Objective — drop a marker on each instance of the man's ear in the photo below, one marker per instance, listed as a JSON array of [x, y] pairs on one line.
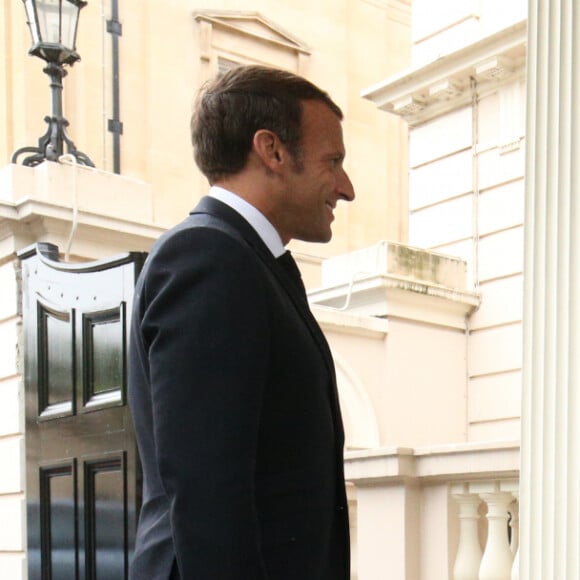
[[269, 149]]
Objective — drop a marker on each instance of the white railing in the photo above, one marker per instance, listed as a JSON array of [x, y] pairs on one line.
[[488, 530], [444, 512]]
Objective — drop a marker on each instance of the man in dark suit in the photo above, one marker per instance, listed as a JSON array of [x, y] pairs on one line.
[[231, 382]]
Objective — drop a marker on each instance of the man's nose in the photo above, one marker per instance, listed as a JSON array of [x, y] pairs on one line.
[[345, 187]]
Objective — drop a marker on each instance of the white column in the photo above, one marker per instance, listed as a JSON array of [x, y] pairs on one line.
[[497, 560], [516, 567], [469, 552], [550, 468]]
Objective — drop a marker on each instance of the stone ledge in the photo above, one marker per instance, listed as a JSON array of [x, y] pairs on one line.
[[50, 201], [395, 297], [336, 320], [452, 462], [76, 186], [398, 260], [396, 280]]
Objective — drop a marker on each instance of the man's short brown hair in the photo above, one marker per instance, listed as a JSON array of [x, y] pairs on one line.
[[231, 108]]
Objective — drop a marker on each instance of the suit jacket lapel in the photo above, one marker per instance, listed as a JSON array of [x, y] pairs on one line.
[[233, 219], [216, 208]]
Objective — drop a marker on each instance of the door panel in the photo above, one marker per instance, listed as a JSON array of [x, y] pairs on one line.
[[104, 357], [55, 361], [83, 476], [105, 516], [58, 519]]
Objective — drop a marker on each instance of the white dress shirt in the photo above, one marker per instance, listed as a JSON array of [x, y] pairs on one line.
[[253, 216]]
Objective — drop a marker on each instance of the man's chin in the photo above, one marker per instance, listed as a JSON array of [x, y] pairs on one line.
[[320, 238]]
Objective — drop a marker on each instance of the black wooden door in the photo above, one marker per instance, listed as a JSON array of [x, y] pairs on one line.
[[83, 477]]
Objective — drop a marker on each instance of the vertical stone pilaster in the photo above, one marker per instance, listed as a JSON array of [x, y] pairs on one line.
[[388, 533], [550, 471], [12, 451]]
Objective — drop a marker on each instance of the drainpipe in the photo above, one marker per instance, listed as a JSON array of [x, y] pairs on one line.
[[475, 182]]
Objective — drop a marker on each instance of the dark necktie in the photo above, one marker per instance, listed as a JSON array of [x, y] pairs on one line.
[[289, 265]]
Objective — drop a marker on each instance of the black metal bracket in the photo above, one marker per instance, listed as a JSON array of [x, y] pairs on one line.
[[50, 145]]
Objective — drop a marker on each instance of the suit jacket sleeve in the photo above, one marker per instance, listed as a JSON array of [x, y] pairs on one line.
[[205, 324]]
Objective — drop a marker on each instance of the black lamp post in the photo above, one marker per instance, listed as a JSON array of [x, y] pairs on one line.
[[53, 26]]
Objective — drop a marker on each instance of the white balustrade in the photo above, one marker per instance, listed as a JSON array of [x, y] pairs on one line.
[[515, 543], [469, 551], [492, 556], [497, 560]]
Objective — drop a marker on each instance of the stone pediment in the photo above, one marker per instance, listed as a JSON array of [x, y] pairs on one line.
[[252, 24]]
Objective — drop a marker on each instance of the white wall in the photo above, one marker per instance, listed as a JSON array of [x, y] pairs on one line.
[[12, 474], [465, 185], [466, 198], [444, 26], [423, 396]]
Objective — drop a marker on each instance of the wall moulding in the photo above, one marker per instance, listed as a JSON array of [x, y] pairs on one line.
[[421, 94]]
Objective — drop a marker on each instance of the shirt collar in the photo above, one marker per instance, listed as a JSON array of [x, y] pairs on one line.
[[253, 216]]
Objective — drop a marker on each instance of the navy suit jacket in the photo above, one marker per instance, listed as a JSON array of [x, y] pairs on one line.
[[233, 394]]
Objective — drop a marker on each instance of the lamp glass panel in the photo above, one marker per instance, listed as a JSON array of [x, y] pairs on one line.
[[32, 21], [49, 20], [70, 14]]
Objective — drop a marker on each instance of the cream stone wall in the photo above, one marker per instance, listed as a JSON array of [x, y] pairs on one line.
[[402, 375], [466, 199], [465, 105], [12, 486], [166, 51]]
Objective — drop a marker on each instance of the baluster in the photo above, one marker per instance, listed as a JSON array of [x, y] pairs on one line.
[[515, 525], [469, 553], [497, 560]]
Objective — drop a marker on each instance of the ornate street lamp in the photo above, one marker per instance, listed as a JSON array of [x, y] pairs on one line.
[[53, 26]]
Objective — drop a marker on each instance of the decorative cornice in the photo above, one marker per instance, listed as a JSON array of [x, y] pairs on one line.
[[449, 82], [96, 235], [387, 296]]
